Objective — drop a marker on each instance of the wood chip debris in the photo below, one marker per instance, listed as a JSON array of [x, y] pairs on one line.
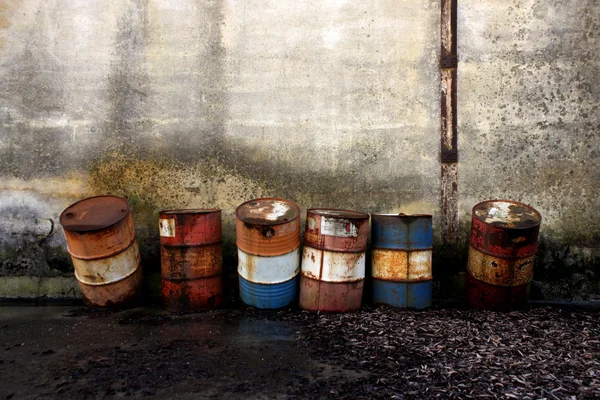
[[539, 353]]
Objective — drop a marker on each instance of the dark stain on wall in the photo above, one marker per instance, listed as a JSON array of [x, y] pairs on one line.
[[30, 92], [128, 81]]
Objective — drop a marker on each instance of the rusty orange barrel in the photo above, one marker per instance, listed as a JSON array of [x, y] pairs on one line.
[[333, 260], [102, 243], [268, 241], [502, 245], [190, 258], [401, 260]]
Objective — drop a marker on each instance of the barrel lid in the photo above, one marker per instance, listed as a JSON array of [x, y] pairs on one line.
[[190, 211], [94, 213], [337, 213], [267, 211], [402, 215], [507, 214]]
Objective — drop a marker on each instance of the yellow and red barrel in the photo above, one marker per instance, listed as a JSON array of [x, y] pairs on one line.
[[268, 241], [191, 259], [102, 243], [502, 245], [333, 260], [401, 260]]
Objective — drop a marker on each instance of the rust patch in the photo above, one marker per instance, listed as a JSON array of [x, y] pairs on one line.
[[94, 213], [123, 293], [500, 271]]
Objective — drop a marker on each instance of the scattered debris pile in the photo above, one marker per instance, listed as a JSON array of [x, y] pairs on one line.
[[539, 353]]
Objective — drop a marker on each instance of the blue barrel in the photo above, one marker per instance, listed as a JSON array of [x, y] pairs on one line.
[[268, 296], [402, 294], [401, 231], [401, 260]]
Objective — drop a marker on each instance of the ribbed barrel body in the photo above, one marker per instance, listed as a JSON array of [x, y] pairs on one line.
[[401, 260], [333, 260], [268, 242], [502, 245], [191, 259], [102, 243]]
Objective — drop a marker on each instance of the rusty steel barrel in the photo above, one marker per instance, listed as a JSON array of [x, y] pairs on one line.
[[191, 259], [333, 260], [268, 241], [502, 245], [102, 243], [401, 260]]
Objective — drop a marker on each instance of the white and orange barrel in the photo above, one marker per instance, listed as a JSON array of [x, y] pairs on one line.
[[102, 243], [268, 242], [333, 260]]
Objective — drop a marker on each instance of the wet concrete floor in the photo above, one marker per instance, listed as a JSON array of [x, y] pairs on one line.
[[74, 352]]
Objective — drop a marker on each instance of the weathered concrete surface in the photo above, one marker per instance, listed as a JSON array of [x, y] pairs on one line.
[[529, 120], [208, 104], [50, 352]]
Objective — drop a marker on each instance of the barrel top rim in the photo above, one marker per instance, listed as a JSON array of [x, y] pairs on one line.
[[186, 211], [106, 210], [338, 213], [529, 217], [403, 215], [256, 211]]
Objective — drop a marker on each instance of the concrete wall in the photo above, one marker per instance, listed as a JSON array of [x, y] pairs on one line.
[[529, 123], [208, 104], [330, 103]]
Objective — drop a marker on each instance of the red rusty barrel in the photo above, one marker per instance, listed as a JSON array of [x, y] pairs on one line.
[[190, 259], [333, 260], [502, 246], [102, 243]]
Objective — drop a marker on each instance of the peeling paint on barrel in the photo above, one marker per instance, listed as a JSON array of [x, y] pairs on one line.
[[336, 230], [398, 265], [505, 228], [122, 293], [108, 270], [333, 260], [269, 270], [319, 295], [190, 227], [332, 266], [503, 242], [268, 241], [191, 262], [191, 259], [500, 271], [401, 260], [98, 227], [268, 227], [102, 244]]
